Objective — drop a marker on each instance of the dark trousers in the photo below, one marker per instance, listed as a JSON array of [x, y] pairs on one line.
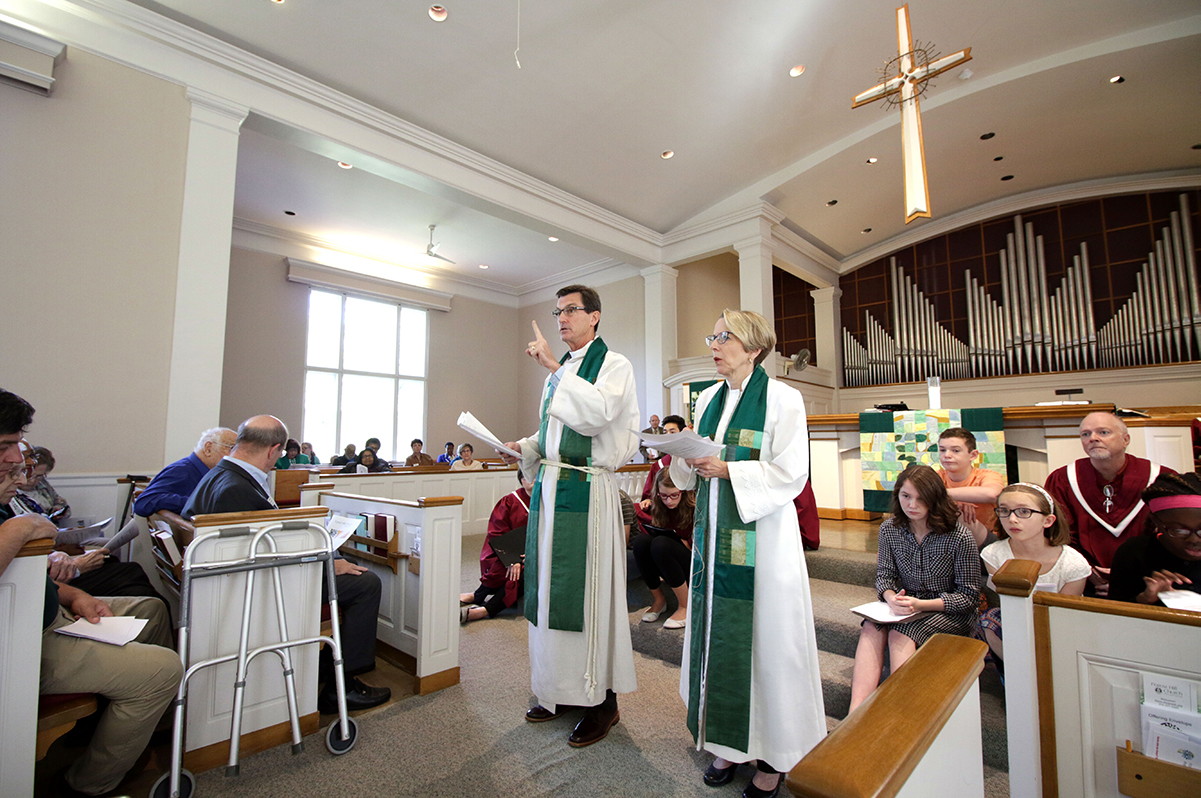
[[662, 557], [116, 578], [358, 602], [492, 599]]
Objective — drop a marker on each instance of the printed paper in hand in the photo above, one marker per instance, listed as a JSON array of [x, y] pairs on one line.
[[686, 444], [341, 527], [115, 631], [880, 612], [471, 424], [1181, 600]]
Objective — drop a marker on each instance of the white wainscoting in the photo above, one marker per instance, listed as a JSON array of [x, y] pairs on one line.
[[22, 589]]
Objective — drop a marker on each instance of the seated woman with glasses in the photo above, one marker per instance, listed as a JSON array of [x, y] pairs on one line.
[[665, 554], [466, 462], [1030, 529], [292, 455], [1168, 557], [38, 488], [367, 463]]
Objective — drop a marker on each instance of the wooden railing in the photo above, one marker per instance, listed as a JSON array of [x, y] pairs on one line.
[[915, 732]]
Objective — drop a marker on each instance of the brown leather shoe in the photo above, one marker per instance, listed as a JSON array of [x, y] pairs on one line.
[[594, 726], [541, 714]]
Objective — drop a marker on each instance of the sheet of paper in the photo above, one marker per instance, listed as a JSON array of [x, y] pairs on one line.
[[1170, 692], [472, 425], [341, 527], [1181, 599], [686, 444], [78, 534], [880, 612], [114, 631]]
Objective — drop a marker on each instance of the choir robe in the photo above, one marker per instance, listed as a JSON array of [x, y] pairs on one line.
[[1096, 533], [788, 716], [509, 513], [607, 411]]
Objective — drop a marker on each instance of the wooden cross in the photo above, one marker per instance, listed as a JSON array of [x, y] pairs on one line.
[[917, 192]]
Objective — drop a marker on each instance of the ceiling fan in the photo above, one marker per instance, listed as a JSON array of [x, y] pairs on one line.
[[432, 250]]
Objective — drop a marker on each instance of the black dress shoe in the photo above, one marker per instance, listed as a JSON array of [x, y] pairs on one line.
[[715, 776], [752, 791], [540, 714], [594, 726], [358, 696]]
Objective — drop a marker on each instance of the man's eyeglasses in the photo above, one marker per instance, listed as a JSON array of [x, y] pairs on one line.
[[1020, 512], [570, 310], [720, 337], [1178, 532]]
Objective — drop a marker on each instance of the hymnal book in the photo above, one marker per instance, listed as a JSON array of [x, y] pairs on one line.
[[383, 528], [165, 541], [880, 612], [115, 631], [655, 531], [509, 548]]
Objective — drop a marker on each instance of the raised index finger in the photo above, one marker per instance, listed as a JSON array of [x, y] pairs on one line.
[[537, 332]]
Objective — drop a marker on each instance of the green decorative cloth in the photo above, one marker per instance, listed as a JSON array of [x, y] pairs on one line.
[[573, 498], [721, 647]]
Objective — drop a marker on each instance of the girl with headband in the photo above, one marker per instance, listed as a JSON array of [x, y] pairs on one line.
[[1168, 557], [1030, 528]]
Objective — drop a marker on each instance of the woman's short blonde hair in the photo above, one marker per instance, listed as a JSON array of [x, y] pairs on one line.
[[752, 330]]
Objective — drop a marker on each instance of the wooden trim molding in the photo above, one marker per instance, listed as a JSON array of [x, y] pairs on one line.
[[260, 516], [424, 501], [919, 699], [1046, 701], [217, 754], [1019, 413], [1016, 578], [1126, 609], [1141, 776], [317, 486], [437, 681], [37, 548]]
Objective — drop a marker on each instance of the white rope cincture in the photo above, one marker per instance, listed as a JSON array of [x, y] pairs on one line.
[[593, 630]]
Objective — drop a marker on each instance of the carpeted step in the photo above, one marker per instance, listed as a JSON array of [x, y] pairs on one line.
[[840, 565]]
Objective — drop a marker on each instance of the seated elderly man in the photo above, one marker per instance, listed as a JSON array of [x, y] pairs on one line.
[[171, 487], [139, 679], [39, 489]]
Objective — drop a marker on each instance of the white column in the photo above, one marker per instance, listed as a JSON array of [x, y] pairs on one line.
[[755, 281], [827, 311], [659, 285], [198, 337]]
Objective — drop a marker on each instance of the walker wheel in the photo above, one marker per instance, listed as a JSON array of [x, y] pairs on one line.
[[333, 738], [187, 785]]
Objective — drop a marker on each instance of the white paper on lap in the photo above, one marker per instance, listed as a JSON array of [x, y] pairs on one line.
[[116, 631]]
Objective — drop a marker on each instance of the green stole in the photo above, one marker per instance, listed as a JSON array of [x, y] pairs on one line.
[[726, 661], [573, 494]]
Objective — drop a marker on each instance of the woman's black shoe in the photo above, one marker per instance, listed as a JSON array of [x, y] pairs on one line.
[[752, 791], [715, 776]]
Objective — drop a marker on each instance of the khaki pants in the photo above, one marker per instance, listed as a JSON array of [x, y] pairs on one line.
[[139, 679]]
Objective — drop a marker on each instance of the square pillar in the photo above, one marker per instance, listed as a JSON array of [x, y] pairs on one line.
[[828, 326], [202, 281], [755, 288], [659, 285]]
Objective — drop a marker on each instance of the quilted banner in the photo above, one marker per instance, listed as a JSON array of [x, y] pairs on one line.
[[889, 442]]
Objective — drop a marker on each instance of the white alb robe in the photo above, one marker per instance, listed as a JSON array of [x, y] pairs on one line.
[[788, 716], [607, 411]]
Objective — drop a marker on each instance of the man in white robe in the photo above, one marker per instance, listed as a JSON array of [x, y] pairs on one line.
[[585, 666]]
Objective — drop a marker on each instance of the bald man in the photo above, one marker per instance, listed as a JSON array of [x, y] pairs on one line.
[[1101, 494], [238, 483]]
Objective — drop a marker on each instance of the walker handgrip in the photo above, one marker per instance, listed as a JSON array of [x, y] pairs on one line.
[[295, 525], [233, 531]]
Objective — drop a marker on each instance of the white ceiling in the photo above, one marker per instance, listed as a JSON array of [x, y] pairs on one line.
[[606, 85]]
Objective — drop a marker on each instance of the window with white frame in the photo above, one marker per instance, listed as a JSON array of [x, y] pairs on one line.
[[365, 374]]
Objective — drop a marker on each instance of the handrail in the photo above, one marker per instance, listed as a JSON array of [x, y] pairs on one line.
[[37, 548], [424, 501], [865, 756], [1126, 609]]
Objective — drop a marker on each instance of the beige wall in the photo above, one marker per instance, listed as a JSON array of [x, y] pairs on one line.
[[471, 359], [91, 196], [703, 290]]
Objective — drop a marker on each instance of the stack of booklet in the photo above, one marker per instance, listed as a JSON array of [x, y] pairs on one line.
[[1170, 719]]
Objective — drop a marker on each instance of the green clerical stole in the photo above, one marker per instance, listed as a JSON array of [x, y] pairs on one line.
[[726, 659], [573, 493]]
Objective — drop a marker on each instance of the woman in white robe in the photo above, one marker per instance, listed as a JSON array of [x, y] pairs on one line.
[[787, 713]]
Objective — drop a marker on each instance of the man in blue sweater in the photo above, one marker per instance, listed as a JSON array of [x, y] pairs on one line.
[[170, 489]]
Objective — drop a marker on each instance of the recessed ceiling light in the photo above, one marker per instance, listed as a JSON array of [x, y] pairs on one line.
[[438, 13], [345, 165], [1007, 177], [999, 158], [831, 203], [866, 230], [277, 1], [483, 265], [1117, 79], [965, 74], [667, 154], [552, 238], [987, 136], [797, 70], [872, 160], [289, 213]]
